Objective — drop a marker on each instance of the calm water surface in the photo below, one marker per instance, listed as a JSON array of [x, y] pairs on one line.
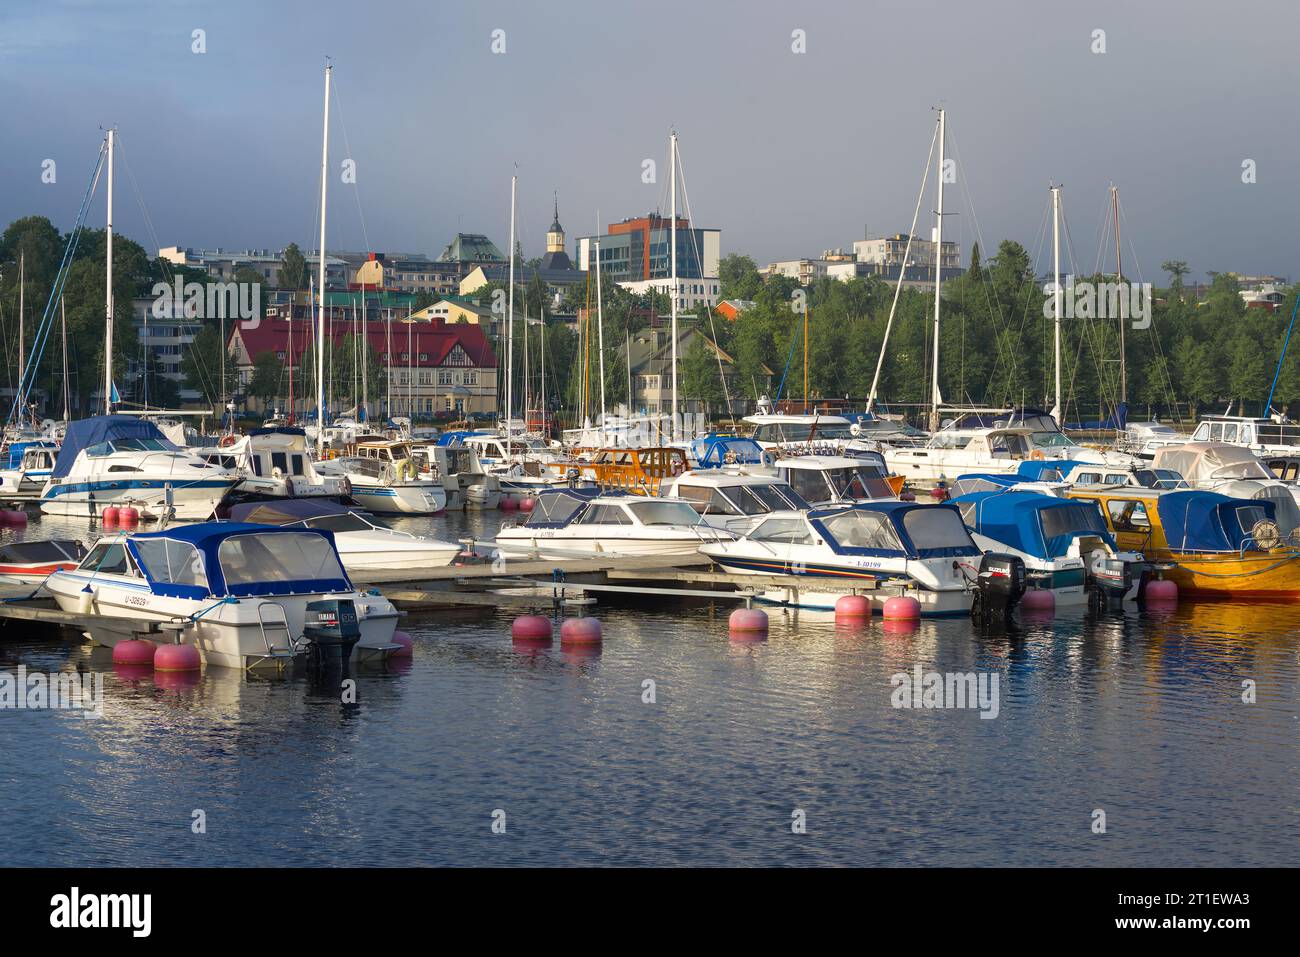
[[1137, 714]]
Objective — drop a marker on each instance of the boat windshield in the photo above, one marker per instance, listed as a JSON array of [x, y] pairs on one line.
[[1071, 520], [664, 513], [172, 562], [259, 559], [802, 432], [1050, 440], [129, 445], [855, 528], [342, 522], [1160, 478], [938, 530]]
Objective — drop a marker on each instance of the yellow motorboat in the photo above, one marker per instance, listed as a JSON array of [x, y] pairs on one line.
[[1221, 547]]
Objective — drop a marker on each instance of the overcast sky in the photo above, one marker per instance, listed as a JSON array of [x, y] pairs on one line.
[[789, 154]]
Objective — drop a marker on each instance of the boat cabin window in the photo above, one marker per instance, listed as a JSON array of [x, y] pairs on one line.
[[664, 513], [127, 445], [1250, 515], [1117, 478], [605, 515], [1202, 432], [864, 481], [931, 527], [787, 531], [1008, 446], [856, 529], [1128, 515], [279, 460], [1050, 440], [809, 484], [1159, 478], [255, 559], [1285, 469], [707, 501], [554, 509], [109, 558], [1230, 431], [177, 563], [1071, 520], [1087, 478]]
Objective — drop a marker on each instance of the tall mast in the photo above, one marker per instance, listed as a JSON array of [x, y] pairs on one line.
[[600, 341], [63, 313], [320, 312], [289, 356], [672, 178], [807, 313], [1119, 278], [935, 398], [1056, 294], [388, 362], [365, 360], [22, 290], [510, 313], [108, 286]]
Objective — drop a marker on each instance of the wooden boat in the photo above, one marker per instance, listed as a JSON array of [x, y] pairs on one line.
[[637, 471], [1222, 547]]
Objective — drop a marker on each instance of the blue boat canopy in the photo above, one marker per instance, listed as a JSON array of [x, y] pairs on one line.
[[239, 560], [894, 530], [457, 438], [1042, 526], [1199, 521], [714, 451], [85, 433], [18, 449]]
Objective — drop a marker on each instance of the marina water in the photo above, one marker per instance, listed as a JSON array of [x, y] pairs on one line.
[[1138, 714]]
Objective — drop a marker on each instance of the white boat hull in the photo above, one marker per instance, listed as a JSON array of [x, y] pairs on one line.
[[188, 502]]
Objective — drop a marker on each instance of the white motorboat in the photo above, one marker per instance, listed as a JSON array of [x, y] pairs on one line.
[[274, 463], [30, 563], [384, 479], [566, 523], [121, 460], [364, 543], [955, 451], [243, 595], [1063, 542], [838, 479], [733, 498], [875, 549], [30, 463]]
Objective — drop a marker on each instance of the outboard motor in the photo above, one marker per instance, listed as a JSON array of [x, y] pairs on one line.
[[998, 588], [1109, 580], [332, 628]]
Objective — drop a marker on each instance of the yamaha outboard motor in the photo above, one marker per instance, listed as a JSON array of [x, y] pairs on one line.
[[332, 628], [1109, 580], [998, 588]]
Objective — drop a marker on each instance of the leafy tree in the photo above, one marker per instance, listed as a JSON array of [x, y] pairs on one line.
[[293, 269], [268, 373]]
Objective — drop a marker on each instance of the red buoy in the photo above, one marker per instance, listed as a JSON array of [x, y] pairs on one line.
[[128, 516], [508, 503], [939, 493], [902, 608], [176, 658], [407, 643], [1161, 590], [749, 621], [852, 606], [531, 628], [527, 503], [580, 631], [109, 515], [134, 651]]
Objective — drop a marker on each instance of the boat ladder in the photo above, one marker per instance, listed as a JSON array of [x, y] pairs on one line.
[[281, 646]]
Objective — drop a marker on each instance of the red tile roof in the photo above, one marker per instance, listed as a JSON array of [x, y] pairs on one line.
[[436, 340]]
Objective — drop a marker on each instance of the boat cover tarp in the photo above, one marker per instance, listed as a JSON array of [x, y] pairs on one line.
[[103, 428], [284, 511], [923, 531], [1200, 462], [1199, 521], [1043, 526], [208, 537], [715, 451]]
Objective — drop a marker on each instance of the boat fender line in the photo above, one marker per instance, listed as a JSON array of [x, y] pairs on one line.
[[228, 600]]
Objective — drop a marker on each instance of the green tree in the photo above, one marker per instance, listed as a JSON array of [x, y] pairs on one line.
[[268, 373], [293, 269]]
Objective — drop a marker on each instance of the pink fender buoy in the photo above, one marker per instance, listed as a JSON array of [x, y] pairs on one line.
[[527, 503], [177, 658], [852, 606], [109, 515], [749, 622], [531, 628], [134, 651], [508, 503], [1161, 590], [907, 495], [407, 643], [129, 517], [939, 493], [13, 517], [580, 631], [902, 608], [1041, 600]]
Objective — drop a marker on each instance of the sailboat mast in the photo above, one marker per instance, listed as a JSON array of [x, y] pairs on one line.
[[600, 342], [510, 312], [672, 177], [365, 360], [1056, 295], [63, 313], [320, 313], [108, 285], [1119, 278], [388, 362], [289, 355], [938, 265], [22, 290]]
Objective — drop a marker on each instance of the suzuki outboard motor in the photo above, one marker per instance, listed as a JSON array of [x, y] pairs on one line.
[[998, 588]]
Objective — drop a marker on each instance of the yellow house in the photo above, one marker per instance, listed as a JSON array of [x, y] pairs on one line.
[[452, 311]]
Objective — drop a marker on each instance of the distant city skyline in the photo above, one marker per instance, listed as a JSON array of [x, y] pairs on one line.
[[788, 153]]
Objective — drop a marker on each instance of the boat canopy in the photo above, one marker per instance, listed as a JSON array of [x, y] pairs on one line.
[[279, 430], [236, 559], [85, 433], [284, 511], [1032, 469], [1199, 521], [458, 438], [556, 507], [895, 530], [714, 451], [1043, 526], [1211, 462], [983, 482], [18, 449]]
